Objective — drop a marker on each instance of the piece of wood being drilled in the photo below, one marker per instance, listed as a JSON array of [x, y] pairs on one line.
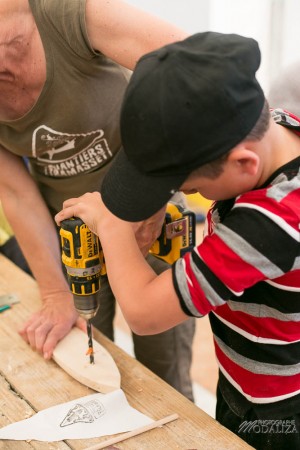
[[70, 354]]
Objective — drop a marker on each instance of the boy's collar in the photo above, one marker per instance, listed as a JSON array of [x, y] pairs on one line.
[[287, 119]]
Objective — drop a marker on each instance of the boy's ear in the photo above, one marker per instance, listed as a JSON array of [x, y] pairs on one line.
[[246, 160]]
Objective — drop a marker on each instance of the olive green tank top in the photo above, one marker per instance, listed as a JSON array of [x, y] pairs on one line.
[[72, 133]]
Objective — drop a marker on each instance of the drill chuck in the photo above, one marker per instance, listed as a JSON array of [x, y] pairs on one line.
[[86, 306]]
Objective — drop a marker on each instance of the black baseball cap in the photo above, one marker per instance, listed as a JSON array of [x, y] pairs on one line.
[[186, 104]]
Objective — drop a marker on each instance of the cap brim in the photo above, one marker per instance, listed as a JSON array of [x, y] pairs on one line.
[[134, 196]]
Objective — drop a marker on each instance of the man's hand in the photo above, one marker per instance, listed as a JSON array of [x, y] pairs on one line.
[[149, 230], [51, 323]]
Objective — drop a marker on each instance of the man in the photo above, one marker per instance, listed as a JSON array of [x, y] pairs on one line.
[[63, 71], [208, 129]]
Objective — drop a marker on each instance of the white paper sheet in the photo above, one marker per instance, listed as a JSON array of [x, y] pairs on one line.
[[86, 417]]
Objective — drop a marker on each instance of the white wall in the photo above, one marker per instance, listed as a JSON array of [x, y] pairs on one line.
[[275, 24], [191, 15], [248, 18]]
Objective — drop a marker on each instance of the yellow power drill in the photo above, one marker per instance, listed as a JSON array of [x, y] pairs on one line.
[[178, 235], [83, 257]]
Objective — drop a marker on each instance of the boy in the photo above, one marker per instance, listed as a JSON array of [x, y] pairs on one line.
[[195, 119]]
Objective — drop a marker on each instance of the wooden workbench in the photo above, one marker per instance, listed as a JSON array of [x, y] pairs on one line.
[[29, 384]]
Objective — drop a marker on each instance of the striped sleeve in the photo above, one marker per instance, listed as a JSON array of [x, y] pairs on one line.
[[258, 240]]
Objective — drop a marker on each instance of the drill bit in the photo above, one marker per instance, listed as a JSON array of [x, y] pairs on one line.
[[91, 348]]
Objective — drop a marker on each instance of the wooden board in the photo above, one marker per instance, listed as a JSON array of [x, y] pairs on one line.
[[29, 383], [70, 354]]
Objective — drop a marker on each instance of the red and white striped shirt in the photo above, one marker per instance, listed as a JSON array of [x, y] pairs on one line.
[[246, 274]]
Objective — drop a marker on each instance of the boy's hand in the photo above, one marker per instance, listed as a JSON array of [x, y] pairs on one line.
[[89, 208]]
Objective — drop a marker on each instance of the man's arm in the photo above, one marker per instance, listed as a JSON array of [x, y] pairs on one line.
[[36, 234], [148, 301], [124, 33]]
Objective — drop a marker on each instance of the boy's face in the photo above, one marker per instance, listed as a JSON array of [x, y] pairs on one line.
[[233, 181], [220, 188]]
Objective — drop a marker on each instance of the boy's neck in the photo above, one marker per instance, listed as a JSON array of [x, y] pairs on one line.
[[281, 145]]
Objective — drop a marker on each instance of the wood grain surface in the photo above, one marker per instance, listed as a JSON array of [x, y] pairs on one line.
[[29, 384]]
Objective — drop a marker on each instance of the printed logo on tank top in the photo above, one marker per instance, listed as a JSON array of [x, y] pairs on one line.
[[64, 155]]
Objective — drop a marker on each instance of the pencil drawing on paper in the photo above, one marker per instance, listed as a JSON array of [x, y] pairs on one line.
[[86, 413]]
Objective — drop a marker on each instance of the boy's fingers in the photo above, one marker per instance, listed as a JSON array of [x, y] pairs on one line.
[[70, 202], [64, 214]]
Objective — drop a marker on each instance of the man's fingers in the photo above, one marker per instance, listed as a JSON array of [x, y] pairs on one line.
[[57, 333], [28, 331], [41, 335], [53, 337], [35, 334], [81, 324]]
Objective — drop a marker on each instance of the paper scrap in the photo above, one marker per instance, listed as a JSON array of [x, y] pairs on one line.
[[87, 417], [9, 299]]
